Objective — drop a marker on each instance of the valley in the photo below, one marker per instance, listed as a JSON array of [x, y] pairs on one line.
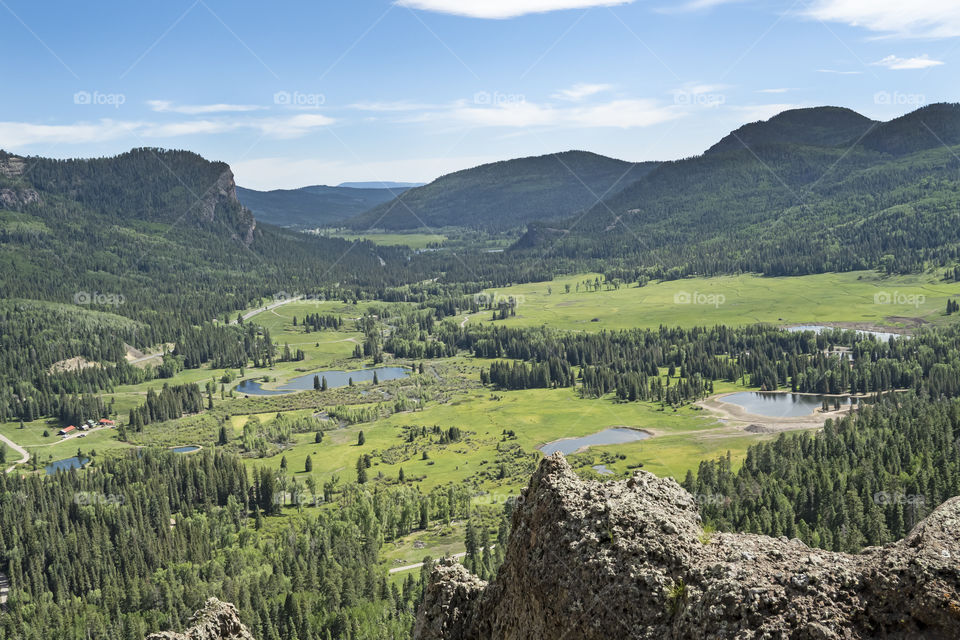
[[317, 411]]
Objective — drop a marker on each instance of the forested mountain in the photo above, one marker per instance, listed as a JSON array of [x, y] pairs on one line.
[[888, 200], [820, 126], [316, 206], [508, 194]]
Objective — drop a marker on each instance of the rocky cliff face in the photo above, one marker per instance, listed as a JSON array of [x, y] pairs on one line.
[[592, 560], [216, 621]]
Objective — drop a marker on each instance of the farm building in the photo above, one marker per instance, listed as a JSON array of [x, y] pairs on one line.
[[67, 430]]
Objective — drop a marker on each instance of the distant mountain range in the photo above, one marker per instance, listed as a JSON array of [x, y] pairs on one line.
[[317, 206], [381, 185], [809, 190], [508, 194]]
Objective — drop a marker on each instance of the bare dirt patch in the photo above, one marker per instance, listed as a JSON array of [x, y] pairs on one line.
[[73, 364]]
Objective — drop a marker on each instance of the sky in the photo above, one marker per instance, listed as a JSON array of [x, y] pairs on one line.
[[300, 92]]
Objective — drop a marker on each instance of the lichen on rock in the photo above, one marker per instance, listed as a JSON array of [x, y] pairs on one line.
[[629, 559]]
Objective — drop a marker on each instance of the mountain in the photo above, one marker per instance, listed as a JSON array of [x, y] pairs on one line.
[[819, 126], [631, 559], [316, 206], [931, 127], [162, 232], [381, 185], [785, 206], [508, 194]]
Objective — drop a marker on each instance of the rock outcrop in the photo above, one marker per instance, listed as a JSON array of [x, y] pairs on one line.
[[629, 559], [216, 621]]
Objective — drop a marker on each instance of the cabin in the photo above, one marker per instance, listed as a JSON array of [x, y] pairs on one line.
[[67, 430], [107, 423]]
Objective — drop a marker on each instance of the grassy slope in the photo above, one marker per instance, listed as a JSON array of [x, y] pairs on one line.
[[746, 299]]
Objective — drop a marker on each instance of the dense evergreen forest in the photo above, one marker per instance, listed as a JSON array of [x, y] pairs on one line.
[[136, 544], [864, 480]]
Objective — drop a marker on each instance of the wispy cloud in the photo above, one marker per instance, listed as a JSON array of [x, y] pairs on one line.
[[622, 114], [695, 5], [840, 72], [918, 19], [24, 134], [900, 64], [500, 9], [779, 90], [580, 91], [167, 106], [388, 107]]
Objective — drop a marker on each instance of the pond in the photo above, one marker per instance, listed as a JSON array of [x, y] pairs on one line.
[[782, 405], [614, 435], [66, 464], [187, 449], [334, 379], [879, 335]]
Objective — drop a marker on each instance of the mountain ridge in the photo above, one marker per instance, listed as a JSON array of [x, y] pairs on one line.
[[508, 193]]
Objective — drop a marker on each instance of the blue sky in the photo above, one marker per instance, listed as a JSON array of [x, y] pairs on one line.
[[293, 92]]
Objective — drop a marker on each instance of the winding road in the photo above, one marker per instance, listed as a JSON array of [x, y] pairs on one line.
[[269, 307], [24, 456]]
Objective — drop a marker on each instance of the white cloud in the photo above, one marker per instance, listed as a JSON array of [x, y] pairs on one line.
[[166, 106], [388, 107], [23, 134], [780, 90], [499, 9], [899, 64], [695, 5], [622, 114], [580, 91], [917, 19]]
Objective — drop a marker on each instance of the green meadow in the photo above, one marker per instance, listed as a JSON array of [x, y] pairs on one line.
[[862, 298]]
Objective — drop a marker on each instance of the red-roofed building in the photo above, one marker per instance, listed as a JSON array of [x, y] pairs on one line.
[[67, 430], [107, 423]]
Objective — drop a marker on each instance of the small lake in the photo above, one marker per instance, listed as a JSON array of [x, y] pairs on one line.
[[334, 379], [879, 335], [66, 465], [782, 405], [187, 449], [614, 435]]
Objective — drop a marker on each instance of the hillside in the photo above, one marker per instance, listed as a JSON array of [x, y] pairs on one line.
[[507, 194], [162, 231], [819, 126], [890, 201], [316, 206]]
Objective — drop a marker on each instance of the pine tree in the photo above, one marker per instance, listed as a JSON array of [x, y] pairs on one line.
[[308, 465]]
